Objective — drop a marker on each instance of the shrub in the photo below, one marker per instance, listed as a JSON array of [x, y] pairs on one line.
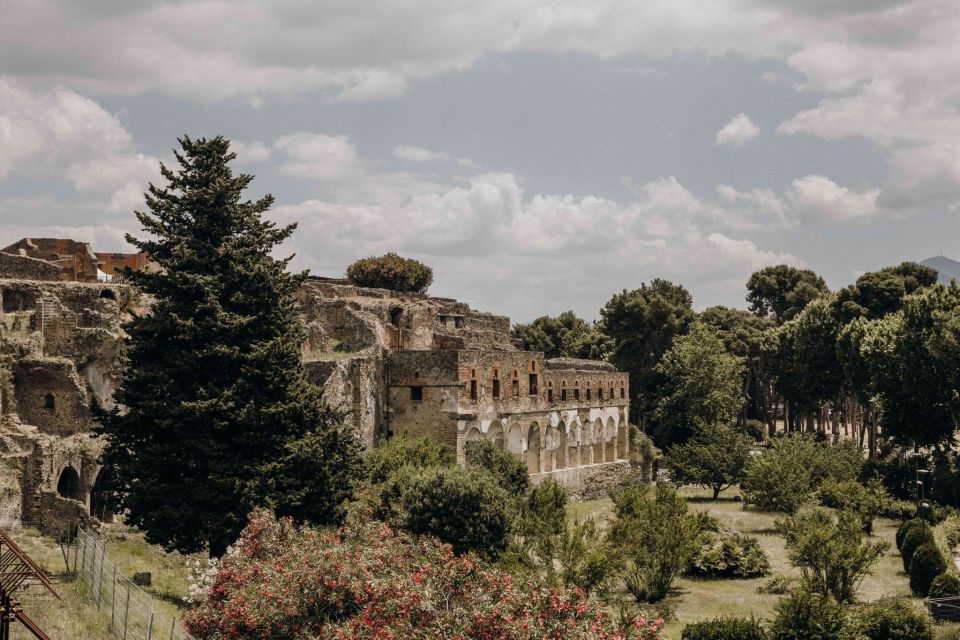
[[511, 472], [945, 585], [947, 632], [731, 556], [656, 536], [466, 508], [584, 557], [724, 629], [403, 451], [914, 538], [392, 272], [802, 615], [756, 429], [904, 527], [867, 501], [927, 563], [778, 584], [831, 552], [892, 619], [366, 580]]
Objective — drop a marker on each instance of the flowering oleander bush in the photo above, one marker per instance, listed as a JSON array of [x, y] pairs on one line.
[[367, 580]]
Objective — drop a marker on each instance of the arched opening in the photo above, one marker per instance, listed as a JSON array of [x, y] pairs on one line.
[[515, 440], [549, 449], [470, 440], [68, 485], [495, 433], [99, 497], [533, 448], [395, 314], [573, 445], [107, 294], [623, 441], [596, 438], [610, 441], [49, 402], [561, 455]]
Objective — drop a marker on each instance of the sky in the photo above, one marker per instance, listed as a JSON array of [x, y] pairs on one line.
[[540, 155]]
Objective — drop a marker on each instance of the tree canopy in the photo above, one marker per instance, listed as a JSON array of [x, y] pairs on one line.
[[390, 271], [783, 291], [566, 335]]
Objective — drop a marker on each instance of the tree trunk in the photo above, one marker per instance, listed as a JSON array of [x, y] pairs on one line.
[[836, 425]]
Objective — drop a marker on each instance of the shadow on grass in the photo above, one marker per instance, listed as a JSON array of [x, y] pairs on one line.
[[704, 499]]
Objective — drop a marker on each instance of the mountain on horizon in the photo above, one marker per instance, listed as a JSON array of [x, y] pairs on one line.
[[947, 268]]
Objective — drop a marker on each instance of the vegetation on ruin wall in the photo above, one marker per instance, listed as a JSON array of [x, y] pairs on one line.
[[392, 272]]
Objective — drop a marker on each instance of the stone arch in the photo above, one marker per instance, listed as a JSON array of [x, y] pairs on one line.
[[623, 440], [548, 459], [515, 440], [107, 294], [573, 445], [533, 448], [470, 439], [610, 440], [68, 485], [586, 444], [561, 453], [495, 433], [99, 496], [596, 438]]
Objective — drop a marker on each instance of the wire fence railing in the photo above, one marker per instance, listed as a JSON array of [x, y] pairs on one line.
[[132, 612]]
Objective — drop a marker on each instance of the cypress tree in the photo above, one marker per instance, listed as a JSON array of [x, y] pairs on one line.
[[215, 413]]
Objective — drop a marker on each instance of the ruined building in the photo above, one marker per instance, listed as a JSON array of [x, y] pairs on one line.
[[400, 363]]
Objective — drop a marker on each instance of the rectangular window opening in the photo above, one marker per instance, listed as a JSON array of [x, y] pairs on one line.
[[496, 388], [563, 395], [516, 388], [416, 394], [473, 389], [549, 395], [533, 384]]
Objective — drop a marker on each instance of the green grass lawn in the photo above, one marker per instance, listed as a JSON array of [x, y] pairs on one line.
[[697, 599]]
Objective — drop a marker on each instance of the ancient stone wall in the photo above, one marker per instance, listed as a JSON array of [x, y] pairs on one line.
[[17, 266]]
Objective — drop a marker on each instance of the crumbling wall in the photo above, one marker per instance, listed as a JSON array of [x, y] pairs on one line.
[[16, 266], [422, 391], [50, 395]]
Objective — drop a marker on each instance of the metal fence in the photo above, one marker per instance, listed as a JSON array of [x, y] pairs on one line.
[[944, 609], [132, 611]]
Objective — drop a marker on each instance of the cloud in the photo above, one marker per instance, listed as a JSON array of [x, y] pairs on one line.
[[737, 131], [418, 154], [318, 156], [819, 196], [250, 152]]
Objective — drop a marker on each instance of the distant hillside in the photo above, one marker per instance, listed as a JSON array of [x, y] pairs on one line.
[[946, 267]]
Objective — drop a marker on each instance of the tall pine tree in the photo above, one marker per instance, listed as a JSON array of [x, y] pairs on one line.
[[216, 413]]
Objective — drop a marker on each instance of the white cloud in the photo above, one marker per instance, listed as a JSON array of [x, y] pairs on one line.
[[737, 131], [418, 154], [819, 196], [318, 156], [250, 152]]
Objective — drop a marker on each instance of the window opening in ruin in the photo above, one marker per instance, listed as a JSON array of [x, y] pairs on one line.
[[516, 388], [549, 395], [496, 388], [622, 393], [68, 485], [395, 314], [576, 394], [473, 389], [99, 497], [533, 384], [600, 393], [416, 394], [588, 394], [458, 322], [108, 294], [563, 395], [49, 401]]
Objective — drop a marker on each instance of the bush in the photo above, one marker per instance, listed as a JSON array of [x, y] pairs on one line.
[[904, 527], [867, 501], [724, 629], [915, 537], [945, 585], [947, 632], [508, 470], [466, 508], [731, 556], [927, 563], [892, 619], [756, 429], [802, 615], [300, 583], [392, 272], [778, 584], [405, 451]]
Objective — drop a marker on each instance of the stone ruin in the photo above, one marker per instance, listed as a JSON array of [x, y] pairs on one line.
[[398, 363]]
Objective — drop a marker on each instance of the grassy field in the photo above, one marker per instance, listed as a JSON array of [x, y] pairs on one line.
[[75, 616], [697, 599]]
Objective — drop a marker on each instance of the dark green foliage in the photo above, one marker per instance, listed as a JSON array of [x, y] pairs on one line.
[[567, 335], [945, 585], [466, 508], [803, 615], [584, 557], [643, 324], [913, 539], [510, 472], [392, 272], [783, 291], [892, 619], [656, 537], [904, 527], [867, 501], [926, 564], [830, 551], [725, 629], [404, 451], [544, 510], [219, 415], [756, 429], [715, 457], [730, 556], [879, 293]]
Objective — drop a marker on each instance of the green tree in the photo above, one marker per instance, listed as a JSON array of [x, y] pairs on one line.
[[657, 536], [567, 336], [390, 271], [783, 291], [879, 293], [215, 413], [804, 615], [406, 451], [830, 551], [509, 472], [701, 387], [642, 325], [715, 457]]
